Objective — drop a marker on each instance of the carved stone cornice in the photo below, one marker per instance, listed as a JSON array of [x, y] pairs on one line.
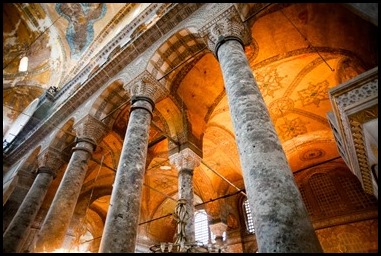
[[91, 128], [185, 159], [228, 25], [145, 85], [50, 158]]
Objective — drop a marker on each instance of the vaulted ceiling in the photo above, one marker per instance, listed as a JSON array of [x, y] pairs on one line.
[[298, 52]]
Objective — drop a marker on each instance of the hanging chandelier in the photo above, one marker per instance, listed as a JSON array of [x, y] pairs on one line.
[[181, 244]]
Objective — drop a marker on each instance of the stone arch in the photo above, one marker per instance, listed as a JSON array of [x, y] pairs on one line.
[[64, 137], [181, 46], [105, 108]]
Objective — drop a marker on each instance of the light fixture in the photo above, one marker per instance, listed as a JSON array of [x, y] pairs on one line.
[[181, 245], [165, 167]]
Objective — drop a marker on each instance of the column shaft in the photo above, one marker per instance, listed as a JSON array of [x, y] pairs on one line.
[[123, 214], [55, 225], [17, 231], [186, 192], [280, 217]]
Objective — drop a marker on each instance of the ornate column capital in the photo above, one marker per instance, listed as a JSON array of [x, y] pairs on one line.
[[227, 26], [185, 159], [146, 86], [91, 128], [49, 161], [218, 228]]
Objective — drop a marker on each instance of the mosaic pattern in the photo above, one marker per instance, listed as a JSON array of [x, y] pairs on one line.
[[314, 93], [269, 82], [81, 17], [292, 128]]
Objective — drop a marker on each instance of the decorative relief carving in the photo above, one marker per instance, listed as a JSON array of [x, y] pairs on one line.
[[92, 128], [352, 125], [147, 86], [228, 24], [50, 158], [356, 95], [185, 159], [356, 122]]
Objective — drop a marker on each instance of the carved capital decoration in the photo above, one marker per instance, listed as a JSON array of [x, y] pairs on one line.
[[227, 26], [218, 228], [185, 159], [50, 159], [90, 128], [145, 85]]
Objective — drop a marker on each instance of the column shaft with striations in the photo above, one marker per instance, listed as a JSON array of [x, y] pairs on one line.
[[120, 232], [49, 161], [280, 218], [90, 131]]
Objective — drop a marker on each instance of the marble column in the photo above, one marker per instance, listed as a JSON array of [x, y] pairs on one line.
[[49, 161], [280, 218], [120, 232], [90, 132], [185, 161]]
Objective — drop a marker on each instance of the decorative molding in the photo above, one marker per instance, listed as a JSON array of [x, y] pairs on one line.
[[147, 86], [50, 158], [354, 103], [91, 128], [227, 24], [356, 122], [185, 159]]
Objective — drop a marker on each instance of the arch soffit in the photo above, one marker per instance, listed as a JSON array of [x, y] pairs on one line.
[[64, 136], [111, 98]]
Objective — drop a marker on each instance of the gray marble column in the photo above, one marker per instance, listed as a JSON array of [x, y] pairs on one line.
[[49, 161], [90, 131], [280, 218], [185, 161], [120, 232]]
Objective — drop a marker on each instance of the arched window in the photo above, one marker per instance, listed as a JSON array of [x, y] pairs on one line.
[[201, 226], [248, 217]]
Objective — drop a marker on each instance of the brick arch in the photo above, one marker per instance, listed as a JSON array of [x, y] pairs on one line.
[[104, 108], [64, 137], [181, 46]]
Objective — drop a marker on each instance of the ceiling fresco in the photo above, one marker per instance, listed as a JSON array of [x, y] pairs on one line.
[[81, 18]]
